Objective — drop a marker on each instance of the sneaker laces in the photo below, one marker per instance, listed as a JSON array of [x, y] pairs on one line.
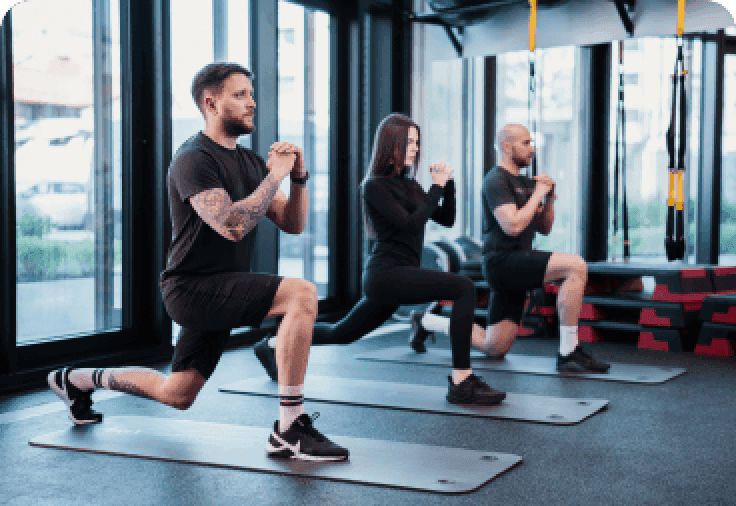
[[307, 424], [84, 402], [478, 382]]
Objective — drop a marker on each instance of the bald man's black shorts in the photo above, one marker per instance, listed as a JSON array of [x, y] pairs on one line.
[[511, 274]]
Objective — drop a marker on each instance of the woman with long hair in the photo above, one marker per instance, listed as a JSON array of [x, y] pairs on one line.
[[395, 210]]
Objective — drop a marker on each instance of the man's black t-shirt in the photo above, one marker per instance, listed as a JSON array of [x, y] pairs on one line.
[[201, 164], [396, 210], [501, 187]]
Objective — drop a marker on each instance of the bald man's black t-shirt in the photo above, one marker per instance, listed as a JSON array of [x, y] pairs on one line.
[[196, 248], [501, 187]]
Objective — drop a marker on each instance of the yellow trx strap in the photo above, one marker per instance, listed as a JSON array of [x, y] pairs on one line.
[[533, 25]]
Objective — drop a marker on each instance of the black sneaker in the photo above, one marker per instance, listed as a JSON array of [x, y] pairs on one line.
[[79, 401], [302, 441], [417, 335], [580, 362], [267, 356], [593, 364], [473, 390]]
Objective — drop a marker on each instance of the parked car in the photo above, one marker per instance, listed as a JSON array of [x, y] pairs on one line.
[[53, 166], [64, 202]]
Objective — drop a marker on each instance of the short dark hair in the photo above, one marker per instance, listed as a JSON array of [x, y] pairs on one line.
[[389, 145], [212, 77]]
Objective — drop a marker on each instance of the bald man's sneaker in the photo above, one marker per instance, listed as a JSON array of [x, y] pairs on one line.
[[417, 334], [580, 362]]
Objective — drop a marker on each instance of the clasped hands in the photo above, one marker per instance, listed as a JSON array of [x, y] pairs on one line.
[[285, 158], [546, 185], [441, 172]]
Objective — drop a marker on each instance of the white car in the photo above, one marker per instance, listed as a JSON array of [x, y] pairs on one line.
[[53, 168], [64, 202]]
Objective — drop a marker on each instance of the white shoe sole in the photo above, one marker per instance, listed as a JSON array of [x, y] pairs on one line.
[[272, 451], [61, 392]]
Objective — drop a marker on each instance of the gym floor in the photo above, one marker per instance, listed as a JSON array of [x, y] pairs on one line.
[[670, 443]]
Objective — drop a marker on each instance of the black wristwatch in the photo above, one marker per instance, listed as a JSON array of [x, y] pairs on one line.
[[300, 180]]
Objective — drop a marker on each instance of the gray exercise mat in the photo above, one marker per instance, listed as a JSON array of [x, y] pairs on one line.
[[372, 462], [411, 397], [631, 373]]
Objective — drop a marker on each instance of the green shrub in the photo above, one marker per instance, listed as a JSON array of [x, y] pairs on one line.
[[34, 226], [39, 258]]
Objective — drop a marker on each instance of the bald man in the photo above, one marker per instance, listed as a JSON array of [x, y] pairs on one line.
[[515, 208]]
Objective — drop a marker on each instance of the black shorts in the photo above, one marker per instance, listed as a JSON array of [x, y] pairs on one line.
[[209, 307], [510, 275]]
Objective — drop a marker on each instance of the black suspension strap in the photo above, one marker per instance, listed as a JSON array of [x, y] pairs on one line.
[[675, 230], [619, 176]]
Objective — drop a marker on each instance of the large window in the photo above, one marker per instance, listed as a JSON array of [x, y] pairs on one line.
[[443, 138], [66, 73], [558, 124], [304, 118], [647, 66], [728, 164]]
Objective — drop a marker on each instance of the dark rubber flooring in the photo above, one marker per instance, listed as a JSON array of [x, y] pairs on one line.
[[671, 443]]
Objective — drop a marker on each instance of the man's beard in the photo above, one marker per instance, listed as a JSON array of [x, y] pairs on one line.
[[236, 128], [521, 162]]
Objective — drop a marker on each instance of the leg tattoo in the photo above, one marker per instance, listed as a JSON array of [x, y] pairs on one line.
[[127, 387]]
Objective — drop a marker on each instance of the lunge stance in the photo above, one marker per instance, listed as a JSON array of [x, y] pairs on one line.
[[515, 207], [218, 193], [396, 209]]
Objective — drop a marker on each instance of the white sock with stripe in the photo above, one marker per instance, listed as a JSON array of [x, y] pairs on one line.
[[291, 405]]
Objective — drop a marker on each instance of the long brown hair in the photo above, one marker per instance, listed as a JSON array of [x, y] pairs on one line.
[[389, 154], [389, 146]]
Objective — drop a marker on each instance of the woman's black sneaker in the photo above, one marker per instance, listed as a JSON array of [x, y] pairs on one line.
[[79, 401], [417, 335], [302, 441], [580, 362], [267, 357], [473, 390]]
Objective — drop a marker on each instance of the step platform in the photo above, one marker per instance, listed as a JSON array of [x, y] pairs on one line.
[[717, 339], [639, 308], [650, 338], [426, 399], [724, 278], [409, 466], [527, 364], [675, 282], [719, 309]]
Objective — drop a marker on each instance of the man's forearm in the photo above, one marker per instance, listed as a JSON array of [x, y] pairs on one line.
[[297, 208], [242, 216], [527, 214]]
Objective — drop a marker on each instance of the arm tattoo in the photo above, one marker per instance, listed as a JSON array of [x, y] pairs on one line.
[[127, 387], [235, 220]]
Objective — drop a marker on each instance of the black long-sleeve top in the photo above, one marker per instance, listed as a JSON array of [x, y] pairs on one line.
[[396, 209]]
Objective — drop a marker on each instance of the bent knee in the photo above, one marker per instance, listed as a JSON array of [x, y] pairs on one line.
[[305, 297], [182, 402], [580, 267]]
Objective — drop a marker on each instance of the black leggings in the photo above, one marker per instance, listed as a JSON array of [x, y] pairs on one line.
[[388, 288]]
